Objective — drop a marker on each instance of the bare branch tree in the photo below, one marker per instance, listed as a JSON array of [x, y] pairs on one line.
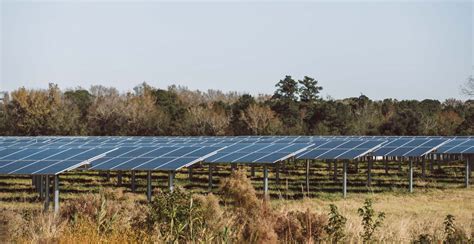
[[207, 121], [468, 87], [261, 120]]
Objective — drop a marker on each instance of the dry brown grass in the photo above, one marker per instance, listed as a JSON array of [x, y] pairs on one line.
[[115, 217], [407, 215]]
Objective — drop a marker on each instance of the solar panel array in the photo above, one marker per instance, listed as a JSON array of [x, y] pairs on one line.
[[54, 155]]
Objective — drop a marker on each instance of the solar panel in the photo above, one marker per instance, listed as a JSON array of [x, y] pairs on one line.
[[409, 147], [341, 149], [49, 161], [257, 153], [158, 158], [457, 146]]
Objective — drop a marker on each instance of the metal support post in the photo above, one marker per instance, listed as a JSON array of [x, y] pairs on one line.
[[344, 179], [190, 173], [133, 181], [410, 175], [46, 193], [210, 177], [467, 172], [265, 180], [277, 173], [369, 171], [171, 180], [119, 178], [307, 176], [148, 185], [423, 166], [56, 194]]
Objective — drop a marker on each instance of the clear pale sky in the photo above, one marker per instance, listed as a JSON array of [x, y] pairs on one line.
[[403, 50]]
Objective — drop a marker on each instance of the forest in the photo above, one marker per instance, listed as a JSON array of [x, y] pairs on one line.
[[295, 108]]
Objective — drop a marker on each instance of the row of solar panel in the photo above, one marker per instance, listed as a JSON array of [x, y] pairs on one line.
[[215, 139], [169, 156], [390, 148]]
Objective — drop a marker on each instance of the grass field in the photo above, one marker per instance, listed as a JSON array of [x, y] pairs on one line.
[[439, 193], [16, 191]]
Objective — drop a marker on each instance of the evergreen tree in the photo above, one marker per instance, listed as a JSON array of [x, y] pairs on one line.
[[309, 90], [287, 89]]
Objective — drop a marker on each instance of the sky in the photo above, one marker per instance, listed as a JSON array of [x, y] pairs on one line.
[[403, 50]]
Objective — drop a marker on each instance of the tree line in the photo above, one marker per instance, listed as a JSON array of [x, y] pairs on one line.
[[295, 108]]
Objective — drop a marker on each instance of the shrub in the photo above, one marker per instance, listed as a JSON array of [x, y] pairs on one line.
[[300, 227], [336, 225], [179, 216], [12, 225], [211, 217], [108, 212], [30, 226], [254, 216], [369, 222], [44, 228]]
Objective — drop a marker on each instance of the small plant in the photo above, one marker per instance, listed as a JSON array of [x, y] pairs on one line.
[[424, 239], [452, 232], [336, 225], [449, 227], [369, 222]]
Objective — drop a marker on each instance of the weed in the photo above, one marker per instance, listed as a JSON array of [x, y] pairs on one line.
[[369, 222], [336, 226]]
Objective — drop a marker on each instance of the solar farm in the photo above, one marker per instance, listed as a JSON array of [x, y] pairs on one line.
[[47, 159]]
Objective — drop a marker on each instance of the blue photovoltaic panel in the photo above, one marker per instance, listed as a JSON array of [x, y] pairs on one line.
[[400, 151], [341, 149], [21, 154], [154, 158], [354, 153], [258, 153], [179, 163], [312, 154], [409, 147], [50, 161], [457, 146], [274, 157], [7, 151], [250, 157], [167, 163], [369, 144], [160, 152], [136, 152], [59, 167], [334, 153], [468, 150], [129, 164]]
